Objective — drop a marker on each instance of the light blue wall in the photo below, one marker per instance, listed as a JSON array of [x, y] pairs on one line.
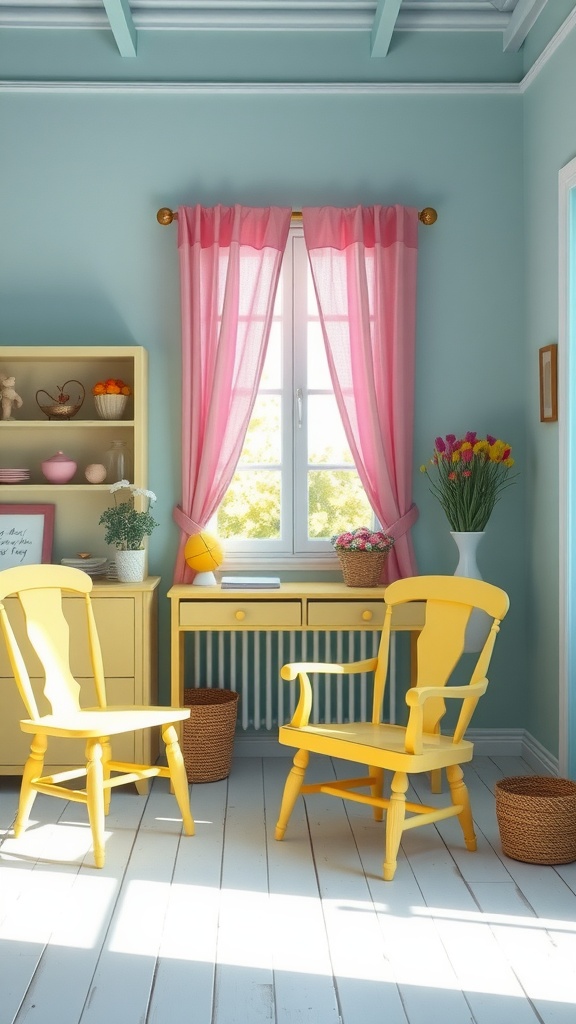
[[84, 261], [549, 143]]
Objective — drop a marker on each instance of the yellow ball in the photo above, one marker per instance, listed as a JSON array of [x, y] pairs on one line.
[[203, 552]]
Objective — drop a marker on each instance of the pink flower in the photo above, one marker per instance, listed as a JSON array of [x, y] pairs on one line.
[[439, 444], [471, 437], [490, 439], [467, 456], [452, 475], [466, 472]]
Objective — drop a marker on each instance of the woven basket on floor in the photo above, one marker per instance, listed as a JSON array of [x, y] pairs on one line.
[[537, 818], [208, 735], [362, 568]]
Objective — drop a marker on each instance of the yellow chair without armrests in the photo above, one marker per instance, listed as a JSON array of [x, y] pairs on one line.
[[39, 589], [419, 746]]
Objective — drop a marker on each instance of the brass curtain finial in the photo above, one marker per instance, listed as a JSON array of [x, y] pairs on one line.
[[165, 216], [428, 215]]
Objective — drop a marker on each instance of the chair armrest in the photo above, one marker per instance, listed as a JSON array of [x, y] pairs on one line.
[[418, 696], [294, 669], [301, 715]]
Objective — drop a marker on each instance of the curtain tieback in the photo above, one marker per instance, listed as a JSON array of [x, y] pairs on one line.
[[404, 523], [186, 524]]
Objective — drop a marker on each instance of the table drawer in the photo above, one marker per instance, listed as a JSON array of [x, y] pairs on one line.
[[241, 614], [346, 614]]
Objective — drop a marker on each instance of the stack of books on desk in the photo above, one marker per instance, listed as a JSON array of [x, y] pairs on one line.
[[250, 582]]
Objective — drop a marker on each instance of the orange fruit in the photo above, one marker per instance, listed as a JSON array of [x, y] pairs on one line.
[[99, 389], [125, 390], [112, 389], [110, 381]]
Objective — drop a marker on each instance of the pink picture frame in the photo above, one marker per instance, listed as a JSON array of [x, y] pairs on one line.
[[26, 534]]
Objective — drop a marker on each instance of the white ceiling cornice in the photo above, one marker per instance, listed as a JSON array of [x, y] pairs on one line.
[[267, 88], [253, 15]]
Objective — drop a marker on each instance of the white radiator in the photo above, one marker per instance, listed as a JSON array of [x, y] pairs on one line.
[[250, 663]]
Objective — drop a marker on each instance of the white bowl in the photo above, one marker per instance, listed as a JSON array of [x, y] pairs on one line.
[[110, 407]]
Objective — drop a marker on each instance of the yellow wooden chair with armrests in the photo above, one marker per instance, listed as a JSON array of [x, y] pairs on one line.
[[419, 746], [39, 590]]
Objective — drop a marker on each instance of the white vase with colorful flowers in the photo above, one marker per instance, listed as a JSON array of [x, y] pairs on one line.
[[468, 475]]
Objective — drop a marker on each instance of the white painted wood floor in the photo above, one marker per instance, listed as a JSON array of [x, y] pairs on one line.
[[231, 927]]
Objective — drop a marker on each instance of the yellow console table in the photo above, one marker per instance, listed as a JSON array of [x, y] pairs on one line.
[[293, 606]]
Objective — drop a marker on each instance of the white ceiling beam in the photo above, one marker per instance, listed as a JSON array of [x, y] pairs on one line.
[[521, 21], [383, 27], [120, 19]]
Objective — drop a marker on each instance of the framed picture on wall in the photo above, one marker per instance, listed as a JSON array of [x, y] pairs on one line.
[[548, 384], [26, 534]]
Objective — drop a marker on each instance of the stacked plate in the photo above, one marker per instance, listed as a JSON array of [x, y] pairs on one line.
[[14, 476], [93, 566]]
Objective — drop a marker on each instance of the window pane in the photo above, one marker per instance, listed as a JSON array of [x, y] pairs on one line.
[[336, 502], [272, 371], [251, 508], [326, 439], [318, 373], [262, 444]]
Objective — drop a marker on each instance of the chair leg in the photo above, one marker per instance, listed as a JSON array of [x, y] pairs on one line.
[[106, 755], [95, 798], [32, 770], [394, 823], [459, 794], [178, 777], [292, 789], [377, 789]]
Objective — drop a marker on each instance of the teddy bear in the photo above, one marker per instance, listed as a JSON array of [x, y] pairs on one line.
[[9, 396]]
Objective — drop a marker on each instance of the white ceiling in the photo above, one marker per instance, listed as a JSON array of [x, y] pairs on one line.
[[513, 19]]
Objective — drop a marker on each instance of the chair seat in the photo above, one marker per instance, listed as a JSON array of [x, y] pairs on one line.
[[378, 745], [94, 722]]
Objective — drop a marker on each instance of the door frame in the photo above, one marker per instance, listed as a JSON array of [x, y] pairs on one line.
[[567, 476]]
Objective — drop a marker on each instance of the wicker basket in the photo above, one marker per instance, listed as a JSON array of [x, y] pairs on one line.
[[362, 568], [208, 735], [537, 819]]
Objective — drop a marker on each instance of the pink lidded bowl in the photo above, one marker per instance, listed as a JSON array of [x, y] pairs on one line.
[[59, 469]]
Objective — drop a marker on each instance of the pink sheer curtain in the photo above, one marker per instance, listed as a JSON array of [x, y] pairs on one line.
[[230, 260], [363, 263]]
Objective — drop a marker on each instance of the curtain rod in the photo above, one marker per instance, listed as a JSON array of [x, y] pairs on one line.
[[165, 216]]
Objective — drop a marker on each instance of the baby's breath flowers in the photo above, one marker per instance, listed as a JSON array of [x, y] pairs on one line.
[[125, 527], [468, 475]]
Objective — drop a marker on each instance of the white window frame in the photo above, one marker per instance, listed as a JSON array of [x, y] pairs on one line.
[[293, 550]]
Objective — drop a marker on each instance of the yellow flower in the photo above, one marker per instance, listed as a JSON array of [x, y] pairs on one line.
[[456, 456], [496, 451]]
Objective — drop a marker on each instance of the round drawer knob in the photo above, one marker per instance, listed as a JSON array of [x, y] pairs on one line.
[[367, 616], [240, 616]]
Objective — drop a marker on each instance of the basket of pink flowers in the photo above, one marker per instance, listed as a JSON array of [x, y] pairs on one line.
[[362, 554]]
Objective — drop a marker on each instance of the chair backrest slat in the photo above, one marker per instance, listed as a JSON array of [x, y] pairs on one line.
[[49, 634]]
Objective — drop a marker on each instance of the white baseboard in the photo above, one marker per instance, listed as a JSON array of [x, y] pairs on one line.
[[488, 742]]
